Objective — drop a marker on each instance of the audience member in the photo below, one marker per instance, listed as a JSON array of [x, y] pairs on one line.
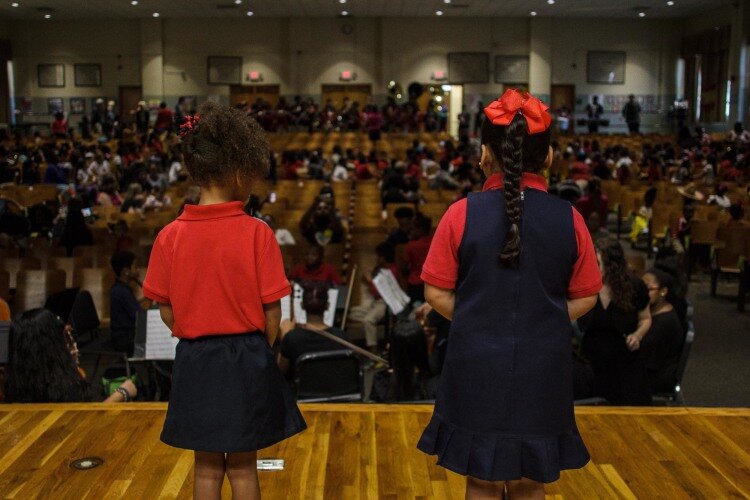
[[416, 252], [662, 345], [75, 232], [315, 269], [594, 201], [400, 235], [632, 114], [43, 365], [123, 304], [320, 225], [614, 330]]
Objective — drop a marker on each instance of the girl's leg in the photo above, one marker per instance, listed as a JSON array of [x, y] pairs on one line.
[[525, 489], [476, 489], [209, 475], [243, 475]]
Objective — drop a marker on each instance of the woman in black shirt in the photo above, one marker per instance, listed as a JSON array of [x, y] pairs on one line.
[[614, 330], [662, 345]]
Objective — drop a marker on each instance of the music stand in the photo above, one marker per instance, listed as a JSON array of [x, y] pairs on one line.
[[4, 342]]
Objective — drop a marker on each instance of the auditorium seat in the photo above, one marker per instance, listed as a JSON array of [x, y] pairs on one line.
[[34, 286], [730, 252], [69, 265], [97, 282], [4, 285], [15, 265]]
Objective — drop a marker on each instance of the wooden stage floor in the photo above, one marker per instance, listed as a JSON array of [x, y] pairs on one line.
[[366, 451]]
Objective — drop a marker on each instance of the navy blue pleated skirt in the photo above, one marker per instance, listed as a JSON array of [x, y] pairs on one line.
[[228, 396]]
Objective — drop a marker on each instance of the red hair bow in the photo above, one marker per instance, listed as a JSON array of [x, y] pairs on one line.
[[503, 110], [189, 124]]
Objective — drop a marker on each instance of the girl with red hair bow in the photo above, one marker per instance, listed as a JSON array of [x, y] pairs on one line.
[[511, 266]]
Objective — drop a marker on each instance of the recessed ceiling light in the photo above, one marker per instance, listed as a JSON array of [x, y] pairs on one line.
[[533, 13], [155, 14], [342, 1], [344, 13], [438, 12], [641, 14], [670, 3], [134, 2], [250, 13], [237, 2], [48, 16], [14, 4], [447, 1], [551, 2]]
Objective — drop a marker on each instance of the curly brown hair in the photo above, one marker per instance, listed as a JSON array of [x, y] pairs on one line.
[[615, 272], [224, 142]]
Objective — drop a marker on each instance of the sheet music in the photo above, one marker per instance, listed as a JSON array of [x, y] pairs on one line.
[[286, 308], [160, 345], [390, 291], [300, 316]]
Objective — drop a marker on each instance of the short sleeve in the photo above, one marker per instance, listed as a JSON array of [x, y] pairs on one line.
[[440, 269], [641, 294], [159, 272], [272, 281], [587, 278]]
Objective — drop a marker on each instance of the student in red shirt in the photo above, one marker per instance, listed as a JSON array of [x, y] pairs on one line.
[[314, 269], [218, 277], [164, 118], [415, 255]]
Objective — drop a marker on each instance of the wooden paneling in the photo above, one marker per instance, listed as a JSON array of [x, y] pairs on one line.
[[366, 451]]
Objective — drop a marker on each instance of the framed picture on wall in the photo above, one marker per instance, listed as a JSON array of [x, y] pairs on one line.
[[51, 75], [512, 69], [88, 75], [224, 70], [54, 105], [468, 67], [605, 67], [77, 105]]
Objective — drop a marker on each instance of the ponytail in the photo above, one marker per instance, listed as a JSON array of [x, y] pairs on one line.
[[511, 156]]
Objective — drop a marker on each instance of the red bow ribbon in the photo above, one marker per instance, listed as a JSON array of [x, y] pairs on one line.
[[189, 124], [503, 110]]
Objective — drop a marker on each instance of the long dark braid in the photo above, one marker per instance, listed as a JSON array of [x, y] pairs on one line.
[[518, 152]]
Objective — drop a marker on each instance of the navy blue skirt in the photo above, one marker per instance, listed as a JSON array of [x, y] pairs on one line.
[[228, 396]]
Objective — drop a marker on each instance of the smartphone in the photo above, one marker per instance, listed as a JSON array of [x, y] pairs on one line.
[[272, 197], [86, 212]]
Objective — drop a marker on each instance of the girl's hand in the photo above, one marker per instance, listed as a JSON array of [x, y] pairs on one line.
[[633, 342], [129, 386]]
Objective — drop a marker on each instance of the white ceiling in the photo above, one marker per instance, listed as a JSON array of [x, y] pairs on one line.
[[122, 9]]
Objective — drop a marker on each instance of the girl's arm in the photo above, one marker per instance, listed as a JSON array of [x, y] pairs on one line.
[[273, 319], [167, 315], [441, 300], [579, 307], [644, 324]]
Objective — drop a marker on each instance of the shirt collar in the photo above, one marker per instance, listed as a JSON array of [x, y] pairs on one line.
[[215, 211], [528, 180]]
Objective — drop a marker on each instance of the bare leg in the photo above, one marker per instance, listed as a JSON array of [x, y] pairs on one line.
[[243, 475], [476, 489], [524, 489], [209, 475]]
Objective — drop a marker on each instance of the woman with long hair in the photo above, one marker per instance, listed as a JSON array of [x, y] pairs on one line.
[[614, 329], [43, 363], [511, 267]]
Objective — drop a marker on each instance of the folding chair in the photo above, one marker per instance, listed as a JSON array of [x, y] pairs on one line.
[[675, 396], [328, 376]]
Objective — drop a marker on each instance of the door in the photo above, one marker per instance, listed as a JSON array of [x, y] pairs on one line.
[[129, 98], [564, 95], [360, 93], [251, 93]]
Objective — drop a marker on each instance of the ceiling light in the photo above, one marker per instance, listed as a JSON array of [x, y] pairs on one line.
[[551, 2], [155, 14], [14, 4], [670, 3], [344, 13], [48, 16], [447, 1], [533, 13], [237, 2], [342, 1], [250, 13], [438, 12], [641, 14], [134, 2]]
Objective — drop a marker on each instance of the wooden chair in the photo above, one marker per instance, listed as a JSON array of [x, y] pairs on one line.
[[15, 265], [702, 234], [636, 264], [98, 283], [728, 258], [4, 285], [34, 286], [69, 265]]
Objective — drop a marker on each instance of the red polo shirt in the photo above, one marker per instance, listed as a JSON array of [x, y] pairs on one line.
[[217, 267], [415, 255], [441, 267]]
